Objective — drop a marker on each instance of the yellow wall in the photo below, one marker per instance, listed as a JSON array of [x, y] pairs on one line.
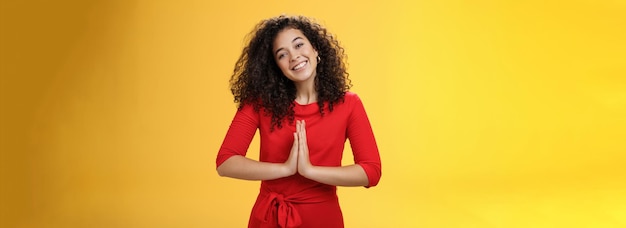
[[487, 113]]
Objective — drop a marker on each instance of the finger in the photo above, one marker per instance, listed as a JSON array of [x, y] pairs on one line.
[[297, 126], [295, 147], [302, 146], [303, 132]]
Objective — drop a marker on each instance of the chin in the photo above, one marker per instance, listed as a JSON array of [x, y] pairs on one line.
[[302, 78]]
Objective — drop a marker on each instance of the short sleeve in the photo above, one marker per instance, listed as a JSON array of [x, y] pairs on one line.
[[362, 141], [239, 135]]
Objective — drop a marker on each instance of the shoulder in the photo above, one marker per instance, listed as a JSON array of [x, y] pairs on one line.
[[350, 102], [246, 107], [351, 96], [249, 109]]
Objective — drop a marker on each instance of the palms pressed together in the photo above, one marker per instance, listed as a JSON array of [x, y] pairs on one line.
[[298, 161]]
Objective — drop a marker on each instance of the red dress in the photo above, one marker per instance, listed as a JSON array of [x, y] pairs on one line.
[[296, 201]]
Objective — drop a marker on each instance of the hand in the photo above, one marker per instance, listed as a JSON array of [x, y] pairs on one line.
[[304, 164], [292, 161]]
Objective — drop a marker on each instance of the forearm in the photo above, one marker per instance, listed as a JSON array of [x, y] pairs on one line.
[[351, 175], [244, 168]]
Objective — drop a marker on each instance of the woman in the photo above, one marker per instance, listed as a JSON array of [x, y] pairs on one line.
[[291, 84]]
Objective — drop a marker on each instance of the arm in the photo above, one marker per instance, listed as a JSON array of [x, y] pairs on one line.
[[351, 175], [363, 142], [241, 167], [367, 168], [231, 160]]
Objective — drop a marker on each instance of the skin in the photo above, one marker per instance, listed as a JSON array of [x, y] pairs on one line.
[[291, 49]]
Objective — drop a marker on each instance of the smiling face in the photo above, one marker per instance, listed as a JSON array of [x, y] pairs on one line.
[[295, 55]]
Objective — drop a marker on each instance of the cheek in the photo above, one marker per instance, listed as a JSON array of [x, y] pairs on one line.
[[283, 65], [311, 49]]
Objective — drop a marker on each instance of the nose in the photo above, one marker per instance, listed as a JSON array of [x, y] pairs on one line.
[[294, 57]]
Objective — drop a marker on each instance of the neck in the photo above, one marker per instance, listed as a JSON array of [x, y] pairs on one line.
[[305, 93]]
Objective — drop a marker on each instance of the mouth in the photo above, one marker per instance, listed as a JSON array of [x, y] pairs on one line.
[[300, 65]]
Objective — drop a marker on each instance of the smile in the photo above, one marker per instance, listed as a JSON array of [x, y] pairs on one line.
[[300, 66]]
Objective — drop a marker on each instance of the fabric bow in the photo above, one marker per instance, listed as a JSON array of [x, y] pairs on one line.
[[280, 208]]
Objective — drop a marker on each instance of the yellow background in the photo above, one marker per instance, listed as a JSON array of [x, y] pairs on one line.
[[487, 113]]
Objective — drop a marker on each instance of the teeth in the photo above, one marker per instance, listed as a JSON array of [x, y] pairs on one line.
[[299, 65]]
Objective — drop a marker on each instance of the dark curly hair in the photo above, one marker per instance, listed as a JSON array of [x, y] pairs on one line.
[[257, 79]]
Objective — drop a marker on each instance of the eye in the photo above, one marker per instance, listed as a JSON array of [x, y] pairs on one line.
[[281, 55], [299, 45]]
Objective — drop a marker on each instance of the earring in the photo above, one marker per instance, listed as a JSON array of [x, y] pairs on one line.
[[319, 59]]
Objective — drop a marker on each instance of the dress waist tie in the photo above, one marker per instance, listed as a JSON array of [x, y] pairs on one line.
[[278, 207]]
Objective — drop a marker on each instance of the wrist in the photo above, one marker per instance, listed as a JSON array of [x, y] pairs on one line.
[[288, 170], [308, 172]]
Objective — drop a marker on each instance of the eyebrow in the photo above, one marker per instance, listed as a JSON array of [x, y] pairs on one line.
[[294, 40]]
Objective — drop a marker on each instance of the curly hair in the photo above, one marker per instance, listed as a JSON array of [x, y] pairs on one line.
[[257, 79]]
